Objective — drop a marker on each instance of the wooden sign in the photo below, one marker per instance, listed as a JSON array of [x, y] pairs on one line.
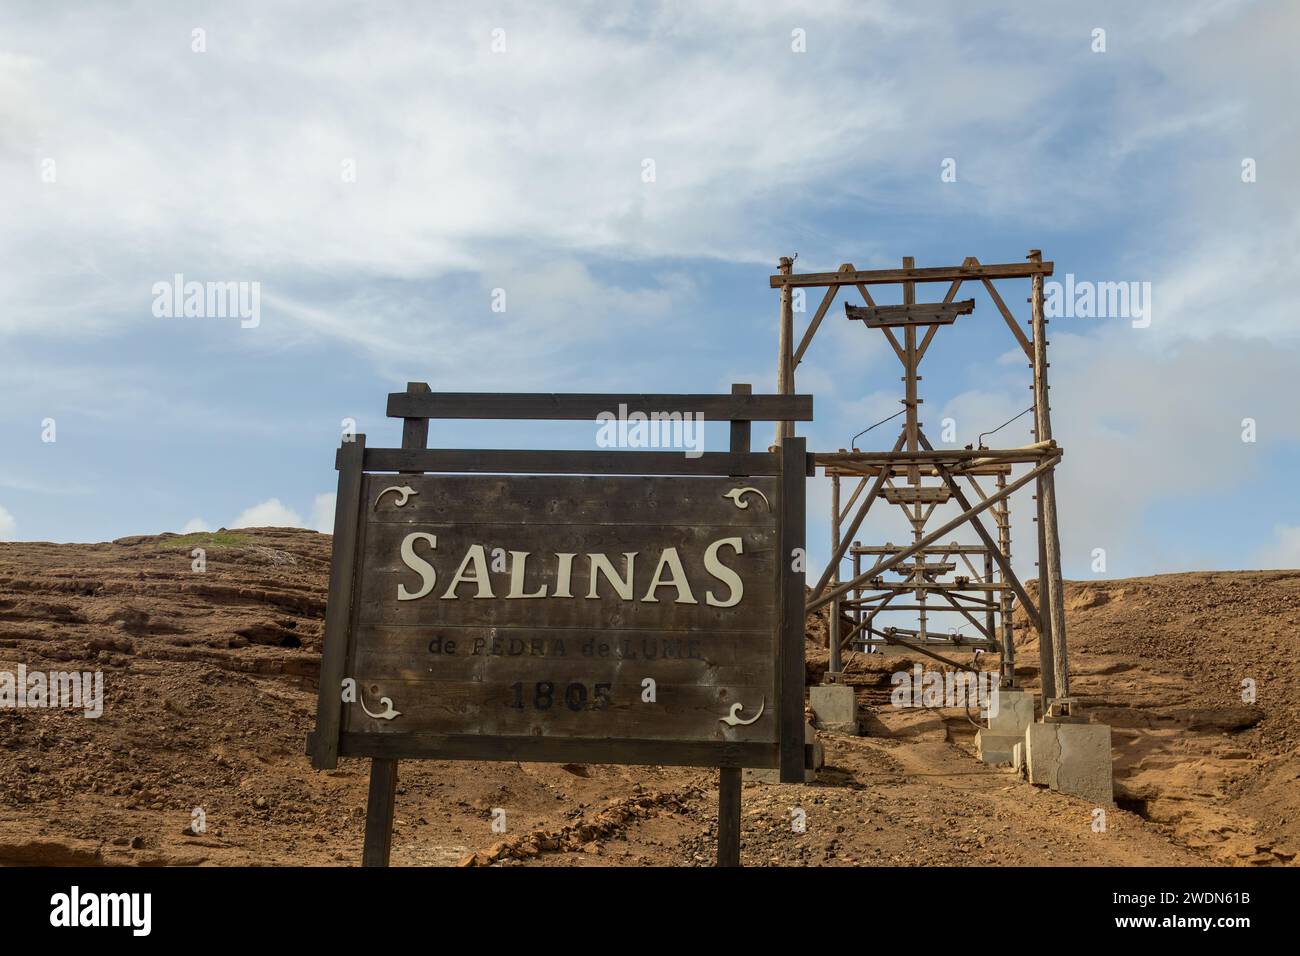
[[636, 607]]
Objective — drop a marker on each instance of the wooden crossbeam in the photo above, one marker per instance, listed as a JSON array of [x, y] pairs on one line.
[[937, 567], [940, 456], [933, 549], [587, 406], [964, 644], [871, 470], [877, 584], [936, 494], [1009, 270], [903, 316], [941, 273]]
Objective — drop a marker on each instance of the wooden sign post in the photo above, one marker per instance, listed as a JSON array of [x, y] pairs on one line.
[[632, 607]]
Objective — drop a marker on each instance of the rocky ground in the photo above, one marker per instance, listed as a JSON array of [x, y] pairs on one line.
[[210, 691]]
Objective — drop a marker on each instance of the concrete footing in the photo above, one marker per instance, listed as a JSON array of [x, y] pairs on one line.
[[1011, 712], [995, 748], [835, 708], [1072, 758]]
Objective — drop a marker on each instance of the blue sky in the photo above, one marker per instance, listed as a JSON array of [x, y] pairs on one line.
[[504, 148]]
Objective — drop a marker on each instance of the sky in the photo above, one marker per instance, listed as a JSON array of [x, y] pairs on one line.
[[591, 197]]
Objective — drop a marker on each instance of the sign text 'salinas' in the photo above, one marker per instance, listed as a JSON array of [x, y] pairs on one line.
[[534, 605]]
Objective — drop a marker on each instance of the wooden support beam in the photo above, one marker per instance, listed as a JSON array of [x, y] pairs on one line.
[[911, 495], [986, 631], [952, 294], [816, 321], [381, 800], [938, 549], [338, 612], [379, 813], [838, 556], [509, 461], [1023, 455], [784, 407], [1004, 564], [914, 646], [872, 469], [911, 373], [729, 816], [905, 587], [833, 630], [925, 567], [862, 483], [1010, 320], [1003, 516], [793, 615], [785, 355], [932, 608], [1050, 557], [1008, 270], [902, 316], [894, 343]]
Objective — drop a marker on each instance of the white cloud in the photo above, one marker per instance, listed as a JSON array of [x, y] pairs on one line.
[[195, 524], [460, 150], [322, 513], [268, 514], [8, 526], [537, 145]]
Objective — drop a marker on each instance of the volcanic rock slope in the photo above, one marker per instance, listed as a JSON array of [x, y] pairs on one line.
[[209, 682]]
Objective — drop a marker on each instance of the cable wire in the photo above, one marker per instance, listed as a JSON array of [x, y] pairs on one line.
[[869, 427], [979, 441]]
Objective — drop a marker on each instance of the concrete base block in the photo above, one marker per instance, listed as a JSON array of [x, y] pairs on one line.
[[772, 775], [1071, 758], [1010, 712], [1018, 757], [995, 748], [835, 708]]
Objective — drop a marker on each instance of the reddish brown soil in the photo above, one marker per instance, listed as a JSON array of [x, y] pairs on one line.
[[209, 680]]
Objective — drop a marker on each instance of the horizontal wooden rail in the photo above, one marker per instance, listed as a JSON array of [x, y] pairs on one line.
[[559, 406], [1030, 453], [1007, 270], [933, 549], [561, 750], [901, 316], [548, 462]]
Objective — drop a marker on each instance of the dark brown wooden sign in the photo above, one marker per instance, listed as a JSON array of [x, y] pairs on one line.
[[631, 607]]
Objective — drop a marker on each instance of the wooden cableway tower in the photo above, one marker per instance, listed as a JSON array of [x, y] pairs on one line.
[[931, 575]]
